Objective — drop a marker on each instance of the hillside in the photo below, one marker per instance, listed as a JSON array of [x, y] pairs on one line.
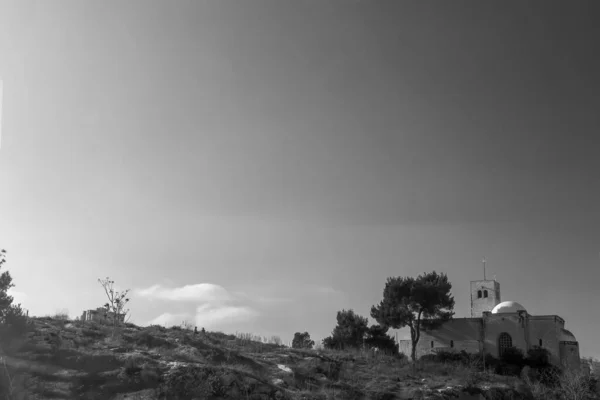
[[71, 360]]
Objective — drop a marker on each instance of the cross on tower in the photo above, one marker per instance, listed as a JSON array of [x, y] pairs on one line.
[[483, 261]]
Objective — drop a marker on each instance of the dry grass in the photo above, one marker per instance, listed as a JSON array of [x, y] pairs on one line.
[[570, 385], [250, 359]]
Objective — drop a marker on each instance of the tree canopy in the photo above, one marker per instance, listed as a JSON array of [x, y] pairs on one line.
[[350, 330], [422, 303], [12, 317], [302, 341]]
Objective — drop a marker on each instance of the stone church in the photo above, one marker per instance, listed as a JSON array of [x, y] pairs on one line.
[[495, 325]]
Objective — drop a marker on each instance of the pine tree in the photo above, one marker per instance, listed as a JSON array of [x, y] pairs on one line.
[[13, 322], [423, 303]]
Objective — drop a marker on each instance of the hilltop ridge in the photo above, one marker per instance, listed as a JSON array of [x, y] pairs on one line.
[[60, 359]]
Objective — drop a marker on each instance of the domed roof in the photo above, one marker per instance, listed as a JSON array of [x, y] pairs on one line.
[[567, 336], [508, 307]]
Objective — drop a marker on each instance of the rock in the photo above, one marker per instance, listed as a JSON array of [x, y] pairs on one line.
[[284, 368], [522, 389], [526, 372]]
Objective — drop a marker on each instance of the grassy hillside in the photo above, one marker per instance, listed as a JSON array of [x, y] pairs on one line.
[[61, 359]]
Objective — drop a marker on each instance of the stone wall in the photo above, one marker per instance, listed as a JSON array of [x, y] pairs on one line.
[[100, 315]]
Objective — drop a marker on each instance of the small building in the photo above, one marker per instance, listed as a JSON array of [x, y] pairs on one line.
[[101, 315], [495, 326]]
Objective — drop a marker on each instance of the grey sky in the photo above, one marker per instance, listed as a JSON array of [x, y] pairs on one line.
[[297, 153]]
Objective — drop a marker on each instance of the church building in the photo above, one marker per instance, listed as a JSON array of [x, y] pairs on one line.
[[495, 325]]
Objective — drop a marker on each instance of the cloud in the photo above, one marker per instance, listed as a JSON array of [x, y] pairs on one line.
[[214, 305], [201, 292], [326, 290], [168, 319], [211, 317]]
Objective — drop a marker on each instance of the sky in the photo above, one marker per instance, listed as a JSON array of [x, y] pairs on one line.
[[257, 166]]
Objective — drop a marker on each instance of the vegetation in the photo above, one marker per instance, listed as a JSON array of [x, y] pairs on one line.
[[352, 332], [64, 358], [423, 303], [116, 302], [349, 332], [302, 341], [13, 326], [378, 338]]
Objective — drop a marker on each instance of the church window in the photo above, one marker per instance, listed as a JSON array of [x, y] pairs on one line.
[[479, 294], [504, 342], [485, 294], [432, 344], [452, 343], [540, 342]]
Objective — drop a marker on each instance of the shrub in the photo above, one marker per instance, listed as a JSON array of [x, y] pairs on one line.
[[116, 302], [132, 366], [350, 331], [451, 356], [13, 321], [513, 355], [145, 338], [302, 341], [511, 362], [377, 337], [538, 357], [62, 315]]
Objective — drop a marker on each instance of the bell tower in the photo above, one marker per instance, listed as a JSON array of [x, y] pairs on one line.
[[485, 295]]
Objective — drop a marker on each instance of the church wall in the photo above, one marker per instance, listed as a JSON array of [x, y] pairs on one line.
[[496, 324], [463, 332], [547, 329], [569, 355]]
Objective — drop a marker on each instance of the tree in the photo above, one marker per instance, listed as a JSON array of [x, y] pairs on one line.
[[302, 341], [423, 303], [377, 337], [13, 321], [116, 301], [351, 331]]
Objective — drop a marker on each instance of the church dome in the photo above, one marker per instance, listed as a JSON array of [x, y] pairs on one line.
[[508, 307], [567, 336]]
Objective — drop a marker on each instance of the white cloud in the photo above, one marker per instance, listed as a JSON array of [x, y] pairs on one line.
[[215, 306], [168, 319], [327, 290], [212, 317], [201, 292]]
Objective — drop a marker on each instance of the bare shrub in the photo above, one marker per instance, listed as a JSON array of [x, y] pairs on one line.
[[186, 325], [116, 302], [61, 315], [275, 340]]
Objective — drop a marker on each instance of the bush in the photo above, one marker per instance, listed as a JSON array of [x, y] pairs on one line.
[[511, 362], [377, 337], [302, 341], [62, 315], [513, 355], [13, 321], [452, 356], [349, 332], [538, 357], [145, 338]]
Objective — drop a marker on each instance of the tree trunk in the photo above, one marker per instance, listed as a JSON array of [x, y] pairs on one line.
[[413, 352]]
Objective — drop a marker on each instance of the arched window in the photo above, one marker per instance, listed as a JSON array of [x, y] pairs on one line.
[[479, 294], [485, 294], [540, 342], [452, 343], [504, 342], [432, 344]]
